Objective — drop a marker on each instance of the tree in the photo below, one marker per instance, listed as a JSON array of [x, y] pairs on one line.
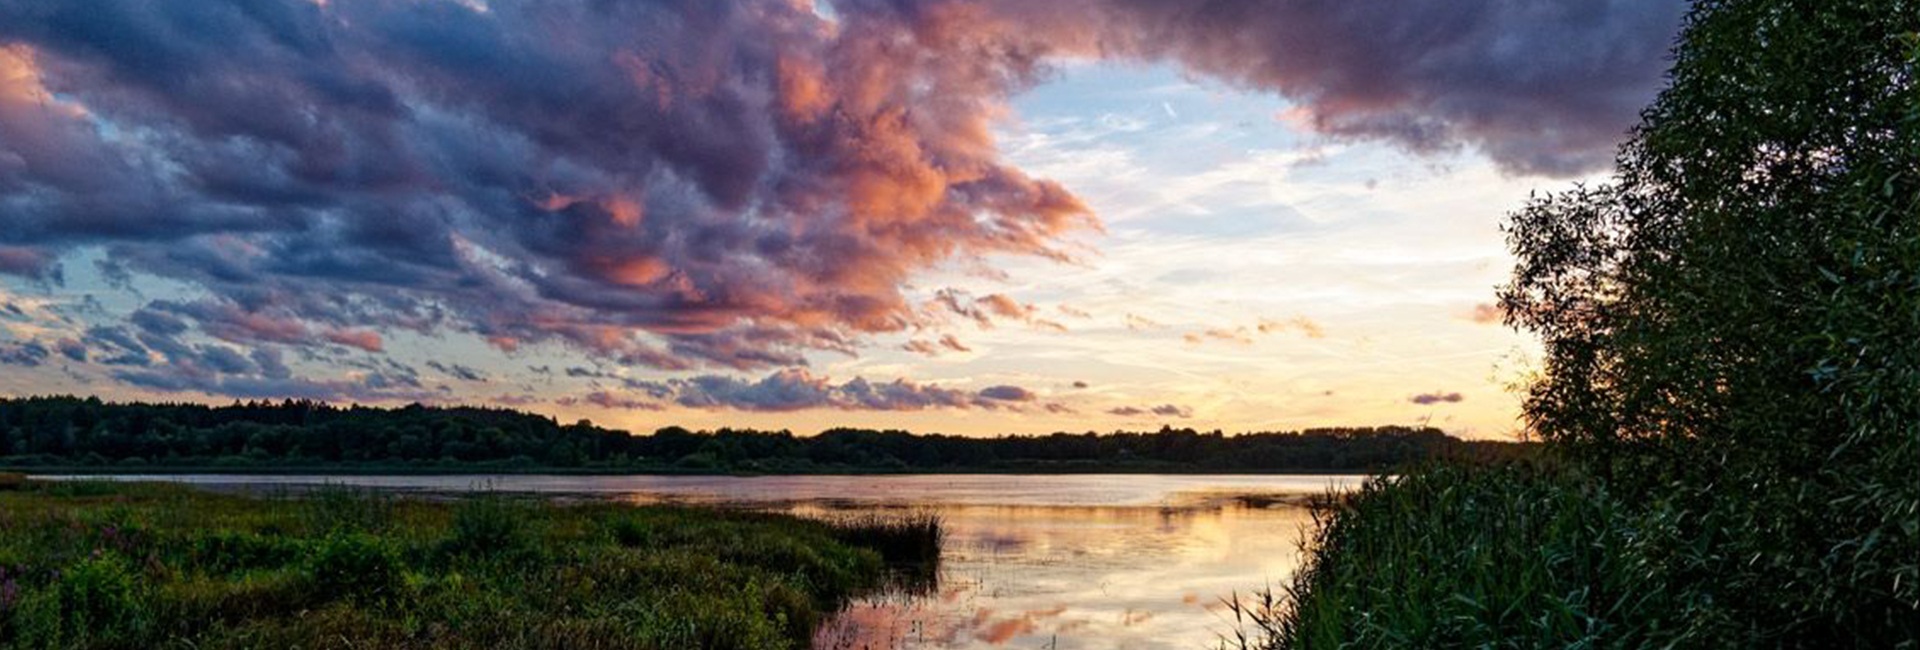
[[1732, 326]]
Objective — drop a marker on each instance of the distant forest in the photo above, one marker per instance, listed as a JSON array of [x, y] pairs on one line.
[[73, 432]]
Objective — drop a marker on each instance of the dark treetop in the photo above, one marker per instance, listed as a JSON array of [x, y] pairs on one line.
[[74, 432]]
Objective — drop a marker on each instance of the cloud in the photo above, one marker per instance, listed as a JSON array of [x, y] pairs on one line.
[[362, 339], [1140, 323], [795, 389], [220, 370], [609, 401], [728, 184], [26, 353], [458, 371], [670, 184], [1305, 326], [1244, 335], [1007, 394], [946, 342], [985, 310], [1486, 314], [72, 349], [515, 400], [1163, 410], [1539, 88], [1236, 335], [1436, 397]]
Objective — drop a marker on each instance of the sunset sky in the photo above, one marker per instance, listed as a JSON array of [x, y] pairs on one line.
[[964, 216]]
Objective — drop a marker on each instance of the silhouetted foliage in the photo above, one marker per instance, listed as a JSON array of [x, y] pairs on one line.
[[68, 431], [1732, 337], [1733, 325]]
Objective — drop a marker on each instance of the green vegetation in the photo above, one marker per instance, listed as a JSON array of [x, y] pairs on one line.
[[45, 433], [98, 565], [1465, 557], [1731, 388]]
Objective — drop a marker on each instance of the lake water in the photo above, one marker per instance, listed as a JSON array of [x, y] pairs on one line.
[[1122, 562]]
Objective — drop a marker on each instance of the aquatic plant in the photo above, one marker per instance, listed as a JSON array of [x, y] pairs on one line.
[[98, 566]]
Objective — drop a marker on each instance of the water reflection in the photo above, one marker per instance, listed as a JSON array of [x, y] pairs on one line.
[[1127, 562], [1079, 577]]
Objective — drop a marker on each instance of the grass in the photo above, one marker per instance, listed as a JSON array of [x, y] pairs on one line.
[[1455, 558], [1464, 557], [1529, 556], [100, 565]]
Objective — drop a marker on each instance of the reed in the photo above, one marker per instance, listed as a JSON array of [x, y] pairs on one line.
[[102, 565]]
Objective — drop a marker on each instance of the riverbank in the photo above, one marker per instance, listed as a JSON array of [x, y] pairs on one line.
[[110, 565]]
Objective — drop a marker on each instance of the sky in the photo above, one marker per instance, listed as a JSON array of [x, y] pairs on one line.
[[959, 216]]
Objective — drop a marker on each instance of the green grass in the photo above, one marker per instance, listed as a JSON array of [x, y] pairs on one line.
[[98, 565], [1463, 557], [1521, 556]]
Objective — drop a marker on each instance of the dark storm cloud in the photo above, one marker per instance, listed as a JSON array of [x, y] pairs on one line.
[[676, 183], [661, 183], [1544, 88]]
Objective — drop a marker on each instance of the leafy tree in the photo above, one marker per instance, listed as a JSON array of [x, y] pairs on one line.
[[1732, 325]]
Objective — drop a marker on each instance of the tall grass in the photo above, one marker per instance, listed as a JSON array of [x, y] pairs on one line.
[[909, 538], [1460, 557], [98, 566], [1517, 556]]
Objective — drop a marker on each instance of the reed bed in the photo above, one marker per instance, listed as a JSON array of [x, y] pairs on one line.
[[102, 565]]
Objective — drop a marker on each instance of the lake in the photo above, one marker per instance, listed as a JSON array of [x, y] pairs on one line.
[[1123, 562]]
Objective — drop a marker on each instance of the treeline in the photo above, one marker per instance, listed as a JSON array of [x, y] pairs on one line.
[[87, 432]]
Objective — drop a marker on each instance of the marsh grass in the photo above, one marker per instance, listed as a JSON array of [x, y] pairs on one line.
[[909, 543], [1456, 556], [154, 566], [912, 537], [1529, 556]]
